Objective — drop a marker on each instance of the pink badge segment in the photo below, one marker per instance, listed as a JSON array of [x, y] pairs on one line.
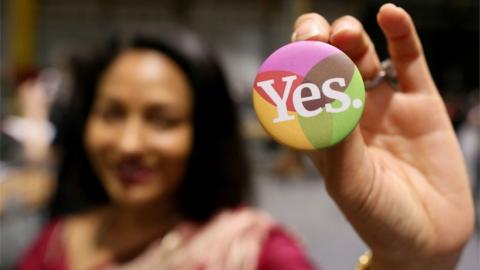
[[298, 57]]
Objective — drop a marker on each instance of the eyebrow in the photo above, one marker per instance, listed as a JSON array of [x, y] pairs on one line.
[[150, 106], [160, 107]]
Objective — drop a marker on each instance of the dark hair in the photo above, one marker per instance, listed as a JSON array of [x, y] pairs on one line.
[[217, 174]]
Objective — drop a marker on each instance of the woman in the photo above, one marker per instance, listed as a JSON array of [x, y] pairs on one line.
[[161, 166], [399, 177]]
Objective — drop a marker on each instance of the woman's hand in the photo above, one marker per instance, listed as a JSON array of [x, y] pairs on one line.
[[399, 178]]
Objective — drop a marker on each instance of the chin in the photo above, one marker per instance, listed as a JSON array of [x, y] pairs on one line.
[[137, 194], [136, 197]]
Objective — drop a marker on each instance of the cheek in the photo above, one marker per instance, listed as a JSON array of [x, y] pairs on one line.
[[98, 138], [175, 145]]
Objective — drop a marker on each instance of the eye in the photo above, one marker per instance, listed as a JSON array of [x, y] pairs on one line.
[[162, 120], [163, 117], [111, 112]]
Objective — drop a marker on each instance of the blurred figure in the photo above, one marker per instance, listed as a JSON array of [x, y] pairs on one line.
[[152, 170], [290, 164], [26, 172]]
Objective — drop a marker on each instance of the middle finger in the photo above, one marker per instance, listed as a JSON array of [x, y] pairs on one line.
[[348, 35]]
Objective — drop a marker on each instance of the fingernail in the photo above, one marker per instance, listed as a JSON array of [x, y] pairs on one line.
[[387, 6], [307, 30]]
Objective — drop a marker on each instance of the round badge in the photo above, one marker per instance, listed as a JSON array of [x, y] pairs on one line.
[[308, 95]]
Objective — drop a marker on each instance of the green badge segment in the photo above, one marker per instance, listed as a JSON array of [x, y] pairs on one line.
[[318, 129], [327, 129], [344, 122]]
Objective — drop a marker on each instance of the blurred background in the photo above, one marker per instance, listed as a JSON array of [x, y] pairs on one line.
[[38, 38]]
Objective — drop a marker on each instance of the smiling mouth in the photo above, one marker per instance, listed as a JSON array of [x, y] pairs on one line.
[[131, 173]]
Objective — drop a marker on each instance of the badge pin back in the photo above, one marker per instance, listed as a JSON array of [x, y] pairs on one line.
[[308, 95]]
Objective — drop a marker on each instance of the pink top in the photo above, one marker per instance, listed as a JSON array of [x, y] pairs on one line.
[[278, 252]]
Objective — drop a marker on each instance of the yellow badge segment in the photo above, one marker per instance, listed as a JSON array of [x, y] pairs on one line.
[[288, 132]]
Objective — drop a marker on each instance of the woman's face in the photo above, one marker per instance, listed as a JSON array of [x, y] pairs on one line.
[[139, 133]]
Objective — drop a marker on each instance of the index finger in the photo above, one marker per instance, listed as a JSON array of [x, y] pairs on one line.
[[311, 26]]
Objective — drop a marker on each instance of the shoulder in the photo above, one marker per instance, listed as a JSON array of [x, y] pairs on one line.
[[282, 250], [243, 224], [45, 249], [232, 239], [259, 237], [50, 249], [246, 216]]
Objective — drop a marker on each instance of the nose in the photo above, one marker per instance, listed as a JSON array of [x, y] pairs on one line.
[[130, 138]]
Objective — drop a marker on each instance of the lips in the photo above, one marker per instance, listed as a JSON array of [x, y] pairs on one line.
[[132, 172]]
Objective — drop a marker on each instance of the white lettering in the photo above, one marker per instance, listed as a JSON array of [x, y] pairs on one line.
[[298, 99], [280, 102], [340, 96]]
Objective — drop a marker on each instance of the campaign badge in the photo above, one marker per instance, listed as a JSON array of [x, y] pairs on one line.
[[308, 95]]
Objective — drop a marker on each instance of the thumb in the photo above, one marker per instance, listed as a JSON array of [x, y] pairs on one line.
[[347, 168]]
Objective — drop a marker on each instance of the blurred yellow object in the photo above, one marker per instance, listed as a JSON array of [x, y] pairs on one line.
[[22, 33], [364, 261]]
